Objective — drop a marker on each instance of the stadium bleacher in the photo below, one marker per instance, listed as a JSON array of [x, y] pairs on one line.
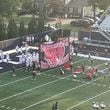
[[105, 25]]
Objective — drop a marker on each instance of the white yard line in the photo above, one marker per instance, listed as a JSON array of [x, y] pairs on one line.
[[7, 72], [88, 99], [34, 88], [15, 81], [66, 91]]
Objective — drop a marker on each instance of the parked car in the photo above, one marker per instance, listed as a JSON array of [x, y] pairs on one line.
[[84, 22]]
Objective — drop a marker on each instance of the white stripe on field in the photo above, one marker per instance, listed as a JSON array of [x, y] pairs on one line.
[[34, 88], [15, 81], [66, 91], [8, 72], [88, 99]]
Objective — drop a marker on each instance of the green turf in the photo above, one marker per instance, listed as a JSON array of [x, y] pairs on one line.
[[23, 93]]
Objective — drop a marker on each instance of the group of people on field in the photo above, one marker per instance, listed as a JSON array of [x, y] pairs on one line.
[[27, 59]]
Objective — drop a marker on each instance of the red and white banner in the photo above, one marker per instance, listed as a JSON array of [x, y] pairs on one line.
[[53, 55]]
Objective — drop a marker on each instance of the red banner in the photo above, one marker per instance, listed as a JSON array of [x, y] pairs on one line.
[[53, 55]]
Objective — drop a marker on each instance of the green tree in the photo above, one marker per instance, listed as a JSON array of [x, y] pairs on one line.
[[12, 30], [8, 7], [40, 25], [22, 29], [3, 34], [102, 4], [32, 26], [27, 5]]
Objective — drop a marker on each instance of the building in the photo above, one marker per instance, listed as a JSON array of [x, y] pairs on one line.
[[76, 8]]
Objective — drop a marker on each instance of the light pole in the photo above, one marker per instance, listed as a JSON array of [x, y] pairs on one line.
[[94, 10]]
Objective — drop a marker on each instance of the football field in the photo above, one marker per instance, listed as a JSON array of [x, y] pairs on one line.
[[23, 93]]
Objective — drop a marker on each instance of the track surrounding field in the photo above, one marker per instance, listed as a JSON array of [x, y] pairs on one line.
[[23, 93]]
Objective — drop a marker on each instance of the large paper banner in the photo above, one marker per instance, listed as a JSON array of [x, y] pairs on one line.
[[53, 55]]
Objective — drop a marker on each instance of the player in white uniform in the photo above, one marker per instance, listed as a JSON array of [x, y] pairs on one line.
[[27, 39], [37, 57], [32, 38], [21, 49], [30, 61], [26, 48], [17, 49], [27, 63], [23, 58], [2, 56], [33, 56], [7, 57]]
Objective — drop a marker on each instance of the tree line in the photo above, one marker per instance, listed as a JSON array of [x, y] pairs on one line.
[[12, 29]]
